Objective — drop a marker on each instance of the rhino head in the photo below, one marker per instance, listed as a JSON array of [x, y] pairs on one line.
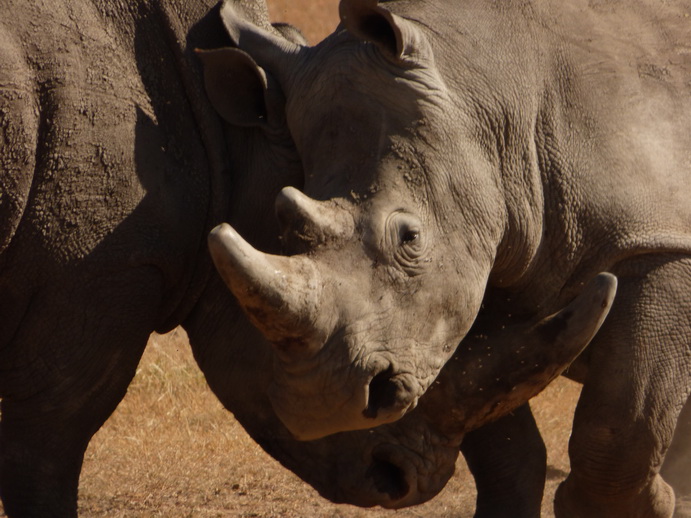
[[390, 244]]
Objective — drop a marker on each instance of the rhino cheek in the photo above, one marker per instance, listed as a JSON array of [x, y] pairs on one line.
[[334, 391]]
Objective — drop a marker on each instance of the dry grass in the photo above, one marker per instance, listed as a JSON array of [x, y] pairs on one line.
[[170, 449], [315, 18]]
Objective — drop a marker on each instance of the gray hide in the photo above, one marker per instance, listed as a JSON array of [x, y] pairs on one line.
[[407, 462], [458, 153]]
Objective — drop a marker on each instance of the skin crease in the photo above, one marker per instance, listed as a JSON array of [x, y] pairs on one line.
[[545, 181]]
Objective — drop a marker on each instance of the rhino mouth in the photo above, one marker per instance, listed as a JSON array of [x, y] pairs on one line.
[[397, 467], [372, 390]]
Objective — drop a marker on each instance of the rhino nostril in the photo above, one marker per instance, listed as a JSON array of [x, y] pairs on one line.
[[388, 478], [382, 393]]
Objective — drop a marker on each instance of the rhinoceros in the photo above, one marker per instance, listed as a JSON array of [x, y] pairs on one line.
[[464, 154], [114, 167]]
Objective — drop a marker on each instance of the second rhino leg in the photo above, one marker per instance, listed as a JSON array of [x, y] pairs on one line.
[[508, 461], [64, 371]]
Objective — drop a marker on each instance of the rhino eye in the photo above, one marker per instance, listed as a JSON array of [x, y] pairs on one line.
[[409, 231], [409, 235], [409, 246]]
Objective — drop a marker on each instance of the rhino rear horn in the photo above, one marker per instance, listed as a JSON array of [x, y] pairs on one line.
[[308, 221]]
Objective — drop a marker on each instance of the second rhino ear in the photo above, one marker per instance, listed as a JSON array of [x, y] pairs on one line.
[[396, 37], [236, 86]]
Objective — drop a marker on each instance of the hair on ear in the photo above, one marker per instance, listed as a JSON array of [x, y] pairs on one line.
[[291, 33]]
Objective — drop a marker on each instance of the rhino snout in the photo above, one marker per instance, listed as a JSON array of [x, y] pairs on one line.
[[384, 477], [392, 476]]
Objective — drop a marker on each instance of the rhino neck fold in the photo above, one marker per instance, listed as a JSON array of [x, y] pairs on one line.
[[524, 221]]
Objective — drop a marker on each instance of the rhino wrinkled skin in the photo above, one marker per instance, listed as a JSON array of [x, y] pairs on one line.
[[459, 154]]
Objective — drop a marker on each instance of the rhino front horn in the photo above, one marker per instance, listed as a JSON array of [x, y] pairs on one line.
[[540, 352], [281, 295]]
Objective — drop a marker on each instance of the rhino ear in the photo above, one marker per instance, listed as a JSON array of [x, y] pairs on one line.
[[397, 37], [277, 50], [236, 86]]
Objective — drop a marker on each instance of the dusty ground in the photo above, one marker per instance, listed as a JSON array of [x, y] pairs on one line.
[[315, 18], [171, 450]]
